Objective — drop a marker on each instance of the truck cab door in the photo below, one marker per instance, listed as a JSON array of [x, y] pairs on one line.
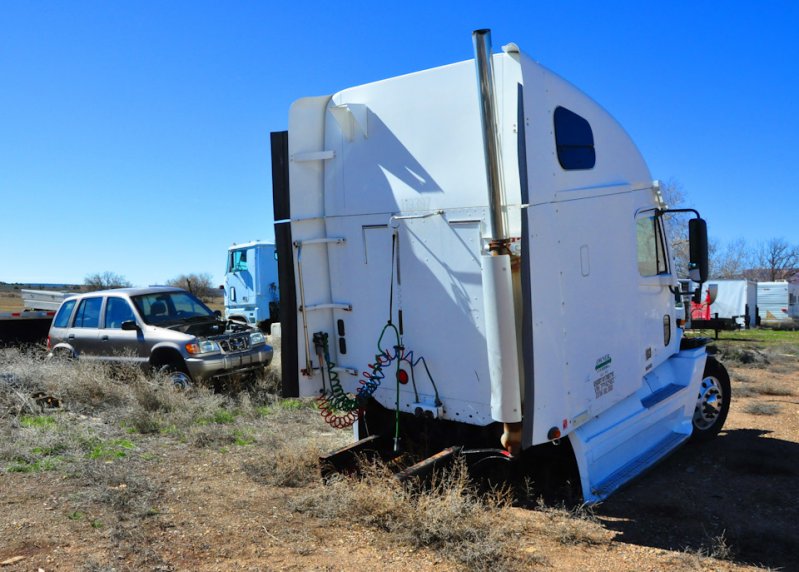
[[240, 278]]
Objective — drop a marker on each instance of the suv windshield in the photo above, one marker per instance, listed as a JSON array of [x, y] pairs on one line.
[[163, 308]]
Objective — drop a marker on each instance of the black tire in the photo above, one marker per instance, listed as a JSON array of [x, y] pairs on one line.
[[712, 402], [62, 355], [177, 374]]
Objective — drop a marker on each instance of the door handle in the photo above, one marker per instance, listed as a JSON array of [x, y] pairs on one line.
[[104, 338], [71, 337]]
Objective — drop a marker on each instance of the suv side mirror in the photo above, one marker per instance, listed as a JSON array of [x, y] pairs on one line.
[[697, 246], [218, 314], [129, 325]]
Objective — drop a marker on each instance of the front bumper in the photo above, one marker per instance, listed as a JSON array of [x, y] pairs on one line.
[[220, 364]]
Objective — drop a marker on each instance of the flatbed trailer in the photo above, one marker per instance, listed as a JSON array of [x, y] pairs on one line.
[[27, 327]]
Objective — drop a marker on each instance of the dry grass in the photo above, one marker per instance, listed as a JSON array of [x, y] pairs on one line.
[[474, 531], [271, 382], [290, 466], [760, 408], [777, 357], [786, 368], [741, 375], [98, 404], [749, 357], [573, 527], [477, 532], [743, 390], [11, 302], [111, 418], [745, 384], [715, 548], [116, 499], [118, 485], [774, 388]]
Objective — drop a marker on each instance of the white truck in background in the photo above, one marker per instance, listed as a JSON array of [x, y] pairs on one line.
[[252, 293], [459, 260]]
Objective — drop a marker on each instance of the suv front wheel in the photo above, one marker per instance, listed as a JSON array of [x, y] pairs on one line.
[[177, 376]]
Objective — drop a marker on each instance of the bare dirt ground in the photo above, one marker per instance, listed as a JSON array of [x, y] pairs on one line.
[[127, 475], [10, 302]]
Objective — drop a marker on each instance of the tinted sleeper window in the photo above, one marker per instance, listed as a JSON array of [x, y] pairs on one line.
[[574, 140]]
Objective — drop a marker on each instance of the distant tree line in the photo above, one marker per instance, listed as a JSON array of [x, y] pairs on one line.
[[774, 259], [200, 285], [104, 281], [770, 260]]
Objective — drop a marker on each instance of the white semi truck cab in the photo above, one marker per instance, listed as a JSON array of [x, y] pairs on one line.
[[461, 248], [252, 292]]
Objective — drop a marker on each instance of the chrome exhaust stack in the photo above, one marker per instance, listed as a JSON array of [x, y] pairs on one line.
[[500, 315], [491, 147]]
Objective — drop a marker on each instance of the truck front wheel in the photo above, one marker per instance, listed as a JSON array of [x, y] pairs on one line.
[[713, 401]]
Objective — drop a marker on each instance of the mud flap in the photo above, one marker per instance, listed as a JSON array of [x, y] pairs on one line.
[[346, 461]]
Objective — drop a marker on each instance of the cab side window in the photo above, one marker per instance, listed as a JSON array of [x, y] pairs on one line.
[[64, 312], [117, 310], [88, 314], [651, 246], [238, 261]]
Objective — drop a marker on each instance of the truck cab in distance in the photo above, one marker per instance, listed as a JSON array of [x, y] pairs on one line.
[[251, 284]]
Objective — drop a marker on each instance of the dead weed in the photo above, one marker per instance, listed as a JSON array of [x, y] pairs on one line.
[[478, 532]]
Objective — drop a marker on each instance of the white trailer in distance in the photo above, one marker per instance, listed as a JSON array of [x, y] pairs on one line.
[[778, 303], [459, 257], [725, 305]]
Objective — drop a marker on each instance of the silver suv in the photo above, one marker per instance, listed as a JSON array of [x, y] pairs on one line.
[[167, 329]]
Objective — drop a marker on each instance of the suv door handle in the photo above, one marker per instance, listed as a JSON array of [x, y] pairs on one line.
[[71, 337], [104, 338]]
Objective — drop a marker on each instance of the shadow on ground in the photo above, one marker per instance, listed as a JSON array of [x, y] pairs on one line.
[[742, 485]]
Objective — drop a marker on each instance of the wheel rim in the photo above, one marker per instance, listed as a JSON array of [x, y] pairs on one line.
[[180, 379], [709, 403]]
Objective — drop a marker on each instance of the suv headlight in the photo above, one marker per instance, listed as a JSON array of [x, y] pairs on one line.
[[202, 347], [257, 338]]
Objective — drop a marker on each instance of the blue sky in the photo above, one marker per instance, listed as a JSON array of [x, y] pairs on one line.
[[134, 136]]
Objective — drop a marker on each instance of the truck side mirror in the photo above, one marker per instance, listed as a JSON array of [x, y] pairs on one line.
[[697, 246]]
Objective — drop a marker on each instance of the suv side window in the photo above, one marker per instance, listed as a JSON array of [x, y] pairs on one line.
[[61, 319], [88, 315], [117, 310]]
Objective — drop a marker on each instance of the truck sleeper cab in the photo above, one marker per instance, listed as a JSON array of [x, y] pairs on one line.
[[390, 223]]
